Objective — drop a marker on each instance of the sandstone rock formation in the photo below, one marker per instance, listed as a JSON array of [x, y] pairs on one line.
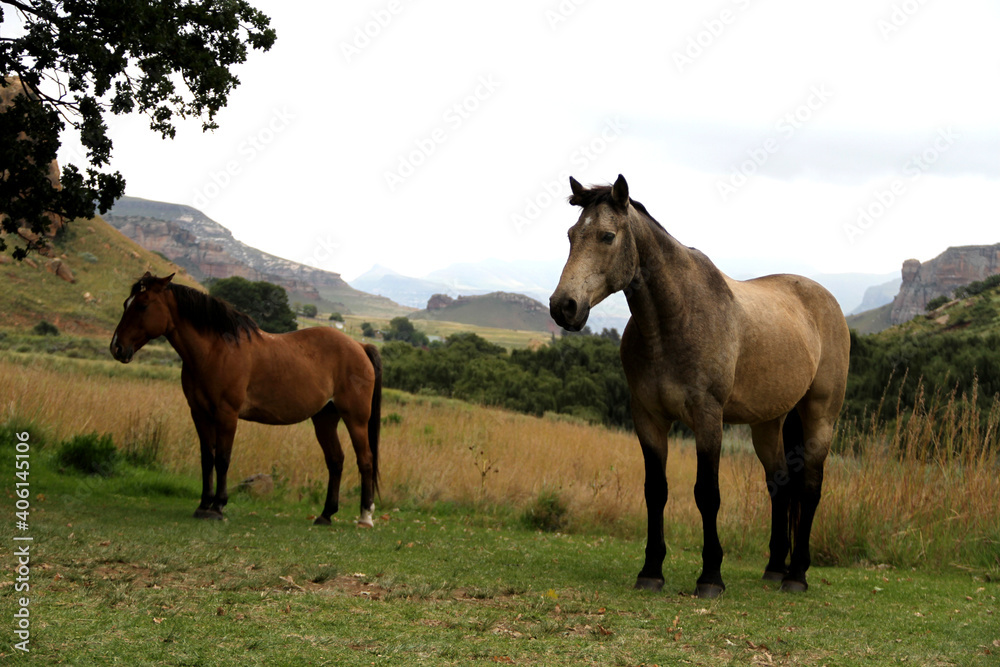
[[953, 268], [8, 92]]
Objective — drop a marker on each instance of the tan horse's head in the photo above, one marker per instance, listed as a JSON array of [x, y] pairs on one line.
[[602, 253], [147, 316]]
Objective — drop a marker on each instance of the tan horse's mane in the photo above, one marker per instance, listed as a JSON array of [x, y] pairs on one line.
[[207, 313]]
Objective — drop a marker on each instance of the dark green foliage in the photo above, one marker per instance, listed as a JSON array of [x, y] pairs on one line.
[[402, 329], [548, 514], [977, 287], [90, 454], [120, 58], [936, 303], [44, 328], [336, 317], [577, 375], [265, 302], [309, 310], [367, 330]]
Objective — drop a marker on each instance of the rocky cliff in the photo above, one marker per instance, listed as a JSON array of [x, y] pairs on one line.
[[953, 268], [206, 249]]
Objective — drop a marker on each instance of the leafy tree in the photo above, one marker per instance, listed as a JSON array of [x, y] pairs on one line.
[[336, 317], [936, 303], [82, 60], [265, 302], [402, 329], [367, 330], [309, 310]]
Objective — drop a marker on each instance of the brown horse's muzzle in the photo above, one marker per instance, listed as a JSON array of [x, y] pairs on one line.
[[567, 312], [122, 353]]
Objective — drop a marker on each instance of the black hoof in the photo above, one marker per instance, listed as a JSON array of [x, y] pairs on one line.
[[771, 575], [212, 514], [792, 586], [648, 584], [322, 521], [709, 591]]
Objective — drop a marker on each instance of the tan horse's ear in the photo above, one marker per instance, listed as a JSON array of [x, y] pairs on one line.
[[619, 193], [574, 186]]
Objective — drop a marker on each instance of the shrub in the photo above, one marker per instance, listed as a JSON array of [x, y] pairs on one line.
[[91, 454], [936, 303], [548, 513], [44, 328]]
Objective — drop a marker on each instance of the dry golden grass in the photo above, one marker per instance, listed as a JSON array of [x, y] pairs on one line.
[[895, 503]]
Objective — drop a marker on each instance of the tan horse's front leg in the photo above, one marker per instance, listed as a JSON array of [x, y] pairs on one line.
[[653, 440], [708, 443]]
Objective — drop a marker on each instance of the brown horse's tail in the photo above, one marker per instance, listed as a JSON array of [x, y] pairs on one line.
[[793, 436], [375, 420]]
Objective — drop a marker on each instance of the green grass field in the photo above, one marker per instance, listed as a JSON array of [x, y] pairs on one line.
[[121, 574]]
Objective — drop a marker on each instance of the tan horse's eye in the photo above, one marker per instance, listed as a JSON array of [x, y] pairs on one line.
[[608, 238]]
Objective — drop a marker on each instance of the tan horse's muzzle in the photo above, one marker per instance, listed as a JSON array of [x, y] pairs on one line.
[[568, 312]]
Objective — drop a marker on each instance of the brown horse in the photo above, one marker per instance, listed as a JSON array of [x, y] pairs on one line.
[[232, 370], [703, 349]]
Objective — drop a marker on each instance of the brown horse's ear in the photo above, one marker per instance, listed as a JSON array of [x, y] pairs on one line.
[[147, 274], [619, 193], [168, 278]]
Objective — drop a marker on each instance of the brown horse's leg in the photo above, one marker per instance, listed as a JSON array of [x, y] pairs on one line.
[[806, 468], [225, 432], [653, 439], [325, 424], [768, 445], [708, 443], [357, 428], [206, 437]]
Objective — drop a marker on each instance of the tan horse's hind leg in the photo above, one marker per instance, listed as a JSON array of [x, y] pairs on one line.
[[767, 442], [806, 459], [325, 425]]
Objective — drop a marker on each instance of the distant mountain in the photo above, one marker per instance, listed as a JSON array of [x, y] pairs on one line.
[[404, 290], [502, 310], [206, 249], [877, 296]]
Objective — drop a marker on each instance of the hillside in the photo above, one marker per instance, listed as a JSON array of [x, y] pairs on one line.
[[497, 309], [871, 321], [956, 266], [206, 249], [103, 264]]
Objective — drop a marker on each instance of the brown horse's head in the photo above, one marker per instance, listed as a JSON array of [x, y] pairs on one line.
[[602, 253], [146, 317]]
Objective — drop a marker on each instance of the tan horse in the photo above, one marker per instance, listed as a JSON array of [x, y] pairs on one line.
[[232, 370], [705, 349]]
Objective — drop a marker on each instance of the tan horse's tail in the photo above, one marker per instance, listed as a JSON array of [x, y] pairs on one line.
[[375, 420], [793, 436]]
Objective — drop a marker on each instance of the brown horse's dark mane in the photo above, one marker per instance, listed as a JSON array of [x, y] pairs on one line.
[[207, 313], [601, 194]]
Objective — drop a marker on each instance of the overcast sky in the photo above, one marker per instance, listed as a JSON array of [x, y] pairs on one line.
[[840, 137]]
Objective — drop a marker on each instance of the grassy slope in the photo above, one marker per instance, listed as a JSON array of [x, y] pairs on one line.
[[31, 294], [871, 321]]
